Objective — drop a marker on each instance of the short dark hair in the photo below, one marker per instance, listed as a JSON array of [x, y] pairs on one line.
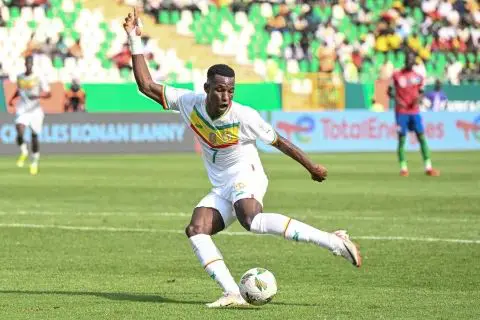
[[221, 70]]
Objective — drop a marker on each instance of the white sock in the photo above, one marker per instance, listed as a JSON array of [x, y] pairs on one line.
[[274, 223], [428, 164], [24, 149], [36, 157], [212, 260]]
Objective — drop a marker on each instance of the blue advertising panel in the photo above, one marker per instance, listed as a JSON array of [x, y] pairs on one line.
[[358, 131], [104, 133]]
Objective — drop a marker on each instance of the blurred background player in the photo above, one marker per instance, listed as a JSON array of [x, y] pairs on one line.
[[436, 99], [75, 98], [30, 89], [408, 87], [227, 132]]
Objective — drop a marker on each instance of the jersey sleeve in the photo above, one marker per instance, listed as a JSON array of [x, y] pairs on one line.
[[258, 128], [177, 99], [422, 82]]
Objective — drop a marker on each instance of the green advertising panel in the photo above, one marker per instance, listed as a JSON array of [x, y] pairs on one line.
[[260, 96], [127, 98], [358, 96], [123, 97]]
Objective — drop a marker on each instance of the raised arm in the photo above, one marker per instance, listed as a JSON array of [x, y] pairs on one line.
[[142, 75], [318, 172]]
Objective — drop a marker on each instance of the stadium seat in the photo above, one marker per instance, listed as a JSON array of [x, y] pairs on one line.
[[266, 10], [14, 13]]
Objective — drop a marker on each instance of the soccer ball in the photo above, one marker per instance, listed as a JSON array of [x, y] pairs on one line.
[[258, 286]]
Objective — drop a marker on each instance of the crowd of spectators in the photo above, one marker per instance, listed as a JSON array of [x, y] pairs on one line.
[[351, 37], [356, 34]]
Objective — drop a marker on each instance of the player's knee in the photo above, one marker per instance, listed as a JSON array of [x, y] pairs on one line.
[[246, 210], [34, 136], [194, 229], [19, 139], [246, 220]]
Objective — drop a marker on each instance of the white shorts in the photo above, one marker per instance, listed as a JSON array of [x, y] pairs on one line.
[[241, 186], [34, 120]]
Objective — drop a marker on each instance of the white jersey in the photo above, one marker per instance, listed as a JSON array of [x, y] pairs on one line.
[[28, 86], [228, 143]]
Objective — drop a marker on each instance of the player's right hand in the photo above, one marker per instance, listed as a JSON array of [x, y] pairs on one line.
[[132, 23], [319, 173]]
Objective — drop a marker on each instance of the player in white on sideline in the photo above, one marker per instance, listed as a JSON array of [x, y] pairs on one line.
[[227, 132], [30, 89]]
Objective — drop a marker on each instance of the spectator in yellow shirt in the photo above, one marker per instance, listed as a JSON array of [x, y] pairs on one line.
[[394, 41], [381, 43], [414, 42], [424, 54]]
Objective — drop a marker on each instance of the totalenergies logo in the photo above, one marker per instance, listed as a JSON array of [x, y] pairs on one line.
[[470, 129], [301, 130]]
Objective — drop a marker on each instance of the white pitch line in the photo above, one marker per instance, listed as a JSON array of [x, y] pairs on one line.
[[186, 214], [395, 238], [228, 233], [93, 213]]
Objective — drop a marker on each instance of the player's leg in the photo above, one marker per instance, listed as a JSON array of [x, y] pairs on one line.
[[36, 126], [420, 132], [35, 154], [210, 217], [402, 128], [20, 128], [250, 214]]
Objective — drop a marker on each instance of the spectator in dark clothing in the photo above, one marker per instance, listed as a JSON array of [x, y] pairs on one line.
[[75, 98]]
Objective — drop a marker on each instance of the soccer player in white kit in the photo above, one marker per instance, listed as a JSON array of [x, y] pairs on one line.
[[30, 89], [227, 132]]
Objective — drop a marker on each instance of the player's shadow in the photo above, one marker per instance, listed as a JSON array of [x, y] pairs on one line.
[[123, 296]]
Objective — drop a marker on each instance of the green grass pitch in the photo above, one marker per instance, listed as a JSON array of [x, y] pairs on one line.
[[101, 237]]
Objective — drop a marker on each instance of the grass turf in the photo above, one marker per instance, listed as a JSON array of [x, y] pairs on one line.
[[101, 237]]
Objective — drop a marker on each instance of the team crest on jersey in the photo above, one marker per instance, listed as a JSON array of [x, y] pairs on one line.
[[212, 138], [239, 186], [416, 80], [409, 81]]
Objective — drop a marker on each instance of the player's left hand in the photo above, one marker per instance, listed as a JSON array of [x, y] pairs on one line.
[[319, 173]]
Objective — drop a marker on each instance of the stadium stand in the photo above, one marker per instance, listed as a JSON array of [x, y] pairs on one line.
[[72, 42], [357, 41], [354, 39]]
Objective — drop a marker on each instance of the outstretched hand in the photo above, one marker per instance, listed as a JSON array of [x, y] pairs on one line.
[[132, 22], [318, 172]]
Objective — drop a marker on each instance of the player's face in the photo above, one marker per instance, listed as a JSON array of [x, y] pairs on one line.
[[410, 62], [220, 92], [29, 65]]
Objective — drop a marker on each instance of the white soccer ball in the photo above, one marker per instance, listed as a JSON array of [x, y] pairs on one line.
[[258, 286]]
